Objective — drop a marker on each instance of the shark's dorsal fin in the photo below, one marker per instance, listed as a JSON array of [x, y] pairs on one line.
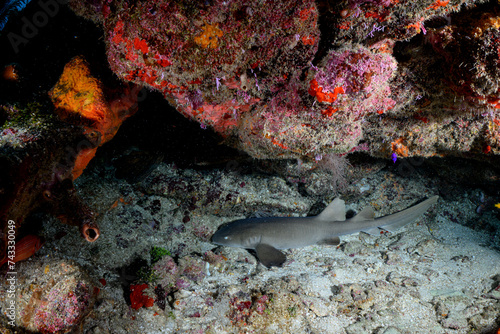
[[364, 215], [335, 211]]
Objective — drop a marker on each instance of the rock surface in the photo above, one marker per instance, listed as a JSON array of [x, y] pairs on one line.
[[305, 79]]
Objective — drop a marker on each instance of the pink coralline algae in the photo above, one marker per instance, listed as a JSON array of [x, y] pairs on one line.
[[293, 79], [172, 276], [360, 76], [214, 62], [232, 52], [54, 301], [60, 311], [346, 86]]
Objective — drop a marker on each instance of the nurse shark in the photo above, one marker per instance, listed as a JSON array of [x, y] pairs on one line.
[[266, 236]]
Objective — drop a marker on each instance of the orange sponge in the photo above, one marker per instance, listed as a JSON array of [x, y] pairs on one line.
[[80, 99]]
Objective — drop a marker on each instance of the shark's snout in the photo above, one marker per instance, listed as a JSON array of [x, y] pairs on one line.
[[215, 239], [224, 237], [218, 238]]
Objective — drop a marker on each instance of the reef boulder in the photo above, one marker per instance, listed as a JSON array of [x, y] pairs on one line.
[[52, 295], [295, 79]]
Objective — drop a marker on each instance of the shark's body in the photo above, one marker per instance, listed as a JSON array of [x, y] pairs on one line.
[[267, 235]]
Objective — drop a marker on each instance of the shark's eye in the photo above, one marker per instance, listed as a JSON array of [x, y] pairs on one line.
[[226, 237]]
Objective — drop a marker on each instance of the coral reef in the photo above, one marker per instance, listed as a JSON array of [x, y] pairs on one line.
[[300, 80], [35, 179], [312, 80], [210, 67]]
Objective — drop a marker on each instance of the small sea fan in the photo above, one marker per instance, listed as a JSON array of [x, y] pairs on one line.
[[10, 7], [337, 166]]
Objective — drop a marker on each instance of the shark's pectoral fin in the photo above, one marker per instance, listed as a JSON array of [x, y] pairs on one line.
[[270, 256], [334, 241]]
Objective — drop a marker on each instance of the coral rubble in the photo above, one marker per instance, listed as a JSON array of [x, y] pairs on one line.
[[53, 295]]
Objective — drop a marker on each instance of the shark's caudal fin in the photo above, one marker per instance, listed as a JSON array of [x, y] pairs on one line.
[[395, 221]]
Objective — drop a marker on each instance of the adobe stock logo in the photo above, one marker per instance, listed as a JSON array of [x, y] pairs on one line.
[[40, 19]]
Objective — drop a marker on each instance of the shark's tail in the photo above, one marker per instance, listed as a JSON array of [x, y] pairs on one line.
[[393, 222]]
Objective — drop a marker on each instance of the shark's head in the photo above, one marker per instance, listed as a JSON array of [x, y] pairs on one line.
[[235, 235], [226, 237]]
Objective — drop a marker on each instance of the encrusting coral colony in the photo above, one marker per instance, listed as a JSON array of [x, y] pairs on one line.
[[279, 80]]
